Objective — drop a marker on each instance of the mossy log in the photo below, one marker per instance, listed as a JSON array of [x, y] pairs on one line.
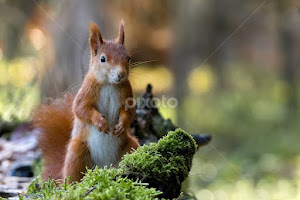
[[152, 171], [164, 165]]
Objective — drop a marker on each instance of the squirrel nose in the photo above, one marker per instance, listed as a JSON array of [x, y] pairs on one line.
[[121, 76]]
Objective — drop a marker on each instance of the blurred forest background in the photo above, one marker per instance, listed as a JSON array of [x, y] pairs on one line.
[[233, 66]]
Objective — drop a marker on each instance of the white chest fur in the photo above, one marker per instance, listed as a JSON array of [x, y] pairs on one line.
[[105, 148]]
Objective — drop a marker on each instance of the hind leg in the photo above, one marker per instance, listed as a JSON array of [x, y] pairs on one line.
[[130, 145], [77, 159]]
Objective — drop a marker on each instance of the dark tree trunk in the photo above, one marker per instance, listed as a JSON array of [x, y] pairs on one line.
[[288, 44], [72, 53], [189, 42]]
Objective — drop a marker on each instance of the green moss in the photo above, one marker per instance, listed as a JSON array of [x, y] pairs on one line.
[[164, 165], [96, 184], [152, 171]]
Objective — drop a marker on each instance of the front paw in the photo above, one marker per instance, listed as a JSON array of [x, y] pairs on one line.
[[101, 124], [120, 128]]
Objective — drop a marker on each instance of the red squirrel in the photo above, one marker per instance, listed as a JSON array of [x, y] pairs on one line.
[[91, 129]]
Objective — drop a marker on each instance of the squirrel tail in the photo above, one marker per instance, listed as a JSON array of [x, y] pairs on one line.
[[54, 122]]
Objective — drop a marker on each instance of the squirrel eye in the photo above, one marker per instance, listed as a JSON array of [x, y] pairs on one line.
[[102, 58]]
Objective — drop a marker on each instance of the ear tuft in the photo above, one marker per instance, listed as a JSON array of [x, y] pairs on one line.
[[95, 38], [121, 32]]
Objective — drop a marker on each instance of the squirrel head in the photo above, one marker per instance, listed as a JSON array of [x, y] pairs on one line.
[[109, 59]]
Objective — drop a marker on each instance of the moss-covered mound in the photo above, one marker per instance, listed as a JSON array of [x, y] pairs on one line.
[[164, 165], [155, 170], [97, 184]]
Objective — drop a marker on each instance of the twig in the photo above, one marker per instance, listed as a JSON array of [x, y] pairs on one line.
[[91, 190]]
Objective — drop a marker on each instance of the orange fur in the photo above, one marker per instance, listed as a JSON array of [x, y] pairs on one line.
[[54, 122], [63, 158], [77, 159]]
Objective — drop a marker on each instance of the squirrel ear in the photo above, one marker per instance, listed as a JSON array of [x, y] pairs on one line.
[[95, 38], [121, 32]]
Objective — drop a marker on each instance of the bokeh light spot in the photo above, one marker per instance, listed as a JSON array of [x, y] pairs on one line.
[[201, 80], [37, 38]]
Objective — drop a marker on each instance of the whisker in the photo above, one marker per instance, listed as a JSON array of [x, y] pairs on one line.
[[135, 72], [132, 81], [138, 51], [71, 87], [103, 80], [143, 62]]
